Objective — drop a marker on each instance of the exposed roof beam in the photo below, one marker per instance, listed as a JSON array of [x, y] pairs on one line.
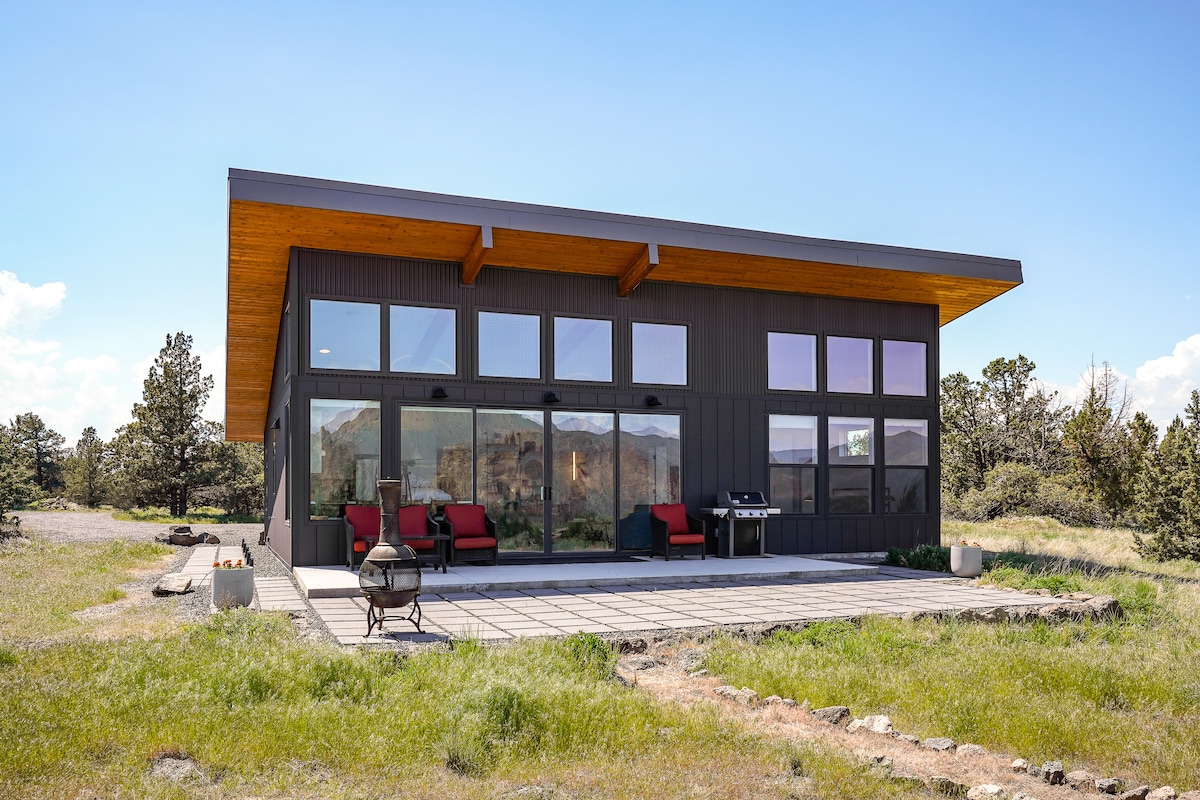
[[646, 261], [473, 261]]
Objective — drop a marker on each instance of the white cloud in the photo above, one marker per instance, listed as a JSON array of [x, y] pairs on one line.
[[23, 305], [1162, 386]]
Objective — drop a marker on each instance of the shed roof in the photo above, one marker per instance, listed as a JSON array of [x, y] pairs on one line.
[[270, 213]]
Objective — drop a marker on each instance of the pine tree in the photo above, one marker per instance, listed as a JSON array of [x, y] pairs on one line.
[[1169, 492], [170, 448], [16, 484], [85, 471], [42, 450]]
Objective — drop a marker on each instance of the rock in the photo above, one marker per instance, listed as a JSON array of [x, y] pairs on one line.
[[905, 780], [746, 696], [992, 615], [789, 702], [725, 690], [948, 786], [834, 715], [881, 761], [689, 659], [907, 737], [1080, 777], [805, 706], [1139, 793], [1108, 785], [1033, 770], [639, 663], [180, 529], [1061, 612], [1105, 607], [208, 538], [969, 750], [1019, 765], [700, 673], [172, 583], [879, 723], [939, 743], [1079, 597], [1023, 796], [985, 791], [1193, 795], [1162, 793], [1052, 772]]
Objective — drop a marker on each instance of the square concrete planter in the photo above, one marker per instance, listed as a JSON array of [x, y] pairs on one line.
[[233, 587], [966, 561]]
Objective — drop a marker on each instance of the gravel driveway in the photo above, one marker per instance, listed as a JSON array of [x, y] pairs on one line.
[[67, 527]]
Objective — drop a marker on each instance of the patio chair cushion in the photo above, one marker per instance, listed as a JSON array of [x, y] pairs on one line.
[[675, 515], [365, 520], [412, 521], [360, 545], [421, 544], [685, 538], [474, 542], [467, 521]]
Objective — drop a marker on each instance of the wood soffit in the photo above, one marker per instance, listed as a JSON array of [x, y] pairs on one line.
[[261, 236]]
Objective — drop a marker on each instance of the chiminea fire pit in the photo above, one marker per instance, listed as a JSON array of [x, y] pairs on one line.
[[390, 576]]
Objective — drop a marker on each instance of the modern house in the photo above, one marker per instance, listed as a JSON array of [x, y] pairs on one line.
[[568, 368]]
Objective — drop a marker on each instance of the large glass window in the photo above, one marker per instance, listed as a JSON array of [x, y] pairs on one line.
[[343, 335], [904, 370], [510, 471], [850, 490], [650, 456], [792, 442], [423, 340], [510, 345], [660, 354], [849, 365], [436, 458], [792, 361], [904, 492], [343, 454], [906, 442], [851, 440], [584, 473], [583, 350]]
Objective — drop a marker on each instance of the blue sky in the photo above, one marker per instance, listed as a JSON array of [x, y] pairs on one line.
[[1061, 134]]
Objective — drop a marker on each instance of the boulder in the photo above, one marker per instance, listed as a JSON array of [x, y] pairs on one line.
[[1019, 765], [1162, 793], [1033, 770], [940, 744], [1061, 612], [878, 723], [985, 791], [725, 690], [746, 696], [1052, 772], [969, 750], [1193, 795], [789, 702], [1080, 778], [1108, 785], [906, 737], [172, 583], [834, 715], [1135, 794], [1104, 607]]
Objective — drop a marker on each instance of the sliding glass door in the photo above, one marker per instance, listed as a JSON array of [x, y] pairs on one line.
[[584, 480]]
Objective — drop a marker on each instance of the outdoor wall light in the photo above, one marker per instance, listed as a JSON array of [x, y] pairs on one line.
[[324, 351], [652, 400], [438, 393], [550, 397]]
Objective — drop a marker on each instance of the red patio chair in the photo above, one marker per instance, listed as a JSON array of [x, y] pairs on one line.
[[416, 526], [362, 532], [671, 526], [471, 531]]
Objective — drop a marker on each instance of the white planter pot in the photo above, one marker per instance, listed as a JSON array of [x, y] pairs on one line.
[[233, 587], [966, 562]]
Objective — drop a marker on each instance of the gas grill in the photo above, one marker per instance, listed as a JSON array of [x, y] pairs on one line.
[[741, 523]]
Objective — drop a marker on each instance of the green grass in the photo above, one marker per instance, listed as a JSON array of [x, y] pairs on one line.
[[265, 713], [1116, 697], [42, 585], [205, 515]]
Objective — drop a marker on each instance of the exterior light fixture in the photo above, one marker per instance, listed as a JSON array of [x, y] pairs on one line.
[[438, 393], [550, 397], [652, 400], [324, 351]]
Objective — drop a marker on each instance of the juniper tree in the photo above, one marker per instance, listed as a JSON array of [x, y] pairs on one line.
[[1169, 491], [85, 471]]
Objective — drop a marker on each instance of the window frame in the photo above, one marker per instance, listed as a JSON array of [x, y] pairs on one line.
[[883, 368], [687, 347], [816, 365], [307, 345], [871, 369], [458, 343], [477, 367], [552, 355]]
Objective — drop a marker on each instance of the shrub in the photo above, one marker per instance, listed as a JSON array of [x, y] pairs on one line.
[[927, 556], [1013, 489]]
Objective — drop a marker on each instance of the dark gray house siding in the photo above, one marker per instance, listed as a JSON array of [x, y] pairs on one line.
[[724, 407]]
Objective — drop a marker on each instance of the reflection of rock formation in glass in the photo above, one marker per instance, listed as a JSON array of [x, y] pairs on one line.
[[345, 459]]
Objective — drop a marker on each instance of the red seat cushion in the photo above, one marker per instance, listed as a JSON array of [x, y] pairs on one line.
[[420, 544], [674, 514], [365, 520], [685, 538], [360, 545], [411, 520], [474, 542], [467, 521]]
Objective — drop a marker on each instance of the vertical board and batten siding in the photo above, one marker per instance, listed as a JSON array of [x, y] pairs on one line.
[[725, 405]]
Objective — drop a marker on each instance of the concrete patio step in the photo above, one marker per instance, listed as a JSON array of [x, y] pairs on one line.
[[320, 582]]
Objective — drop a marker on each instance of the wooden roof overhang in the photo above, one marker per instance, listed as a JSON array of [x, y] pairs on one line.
[[269, 214]]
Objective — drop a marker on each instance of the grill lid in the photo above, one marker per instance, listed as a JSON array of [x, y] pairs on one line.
[[741, 499]]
